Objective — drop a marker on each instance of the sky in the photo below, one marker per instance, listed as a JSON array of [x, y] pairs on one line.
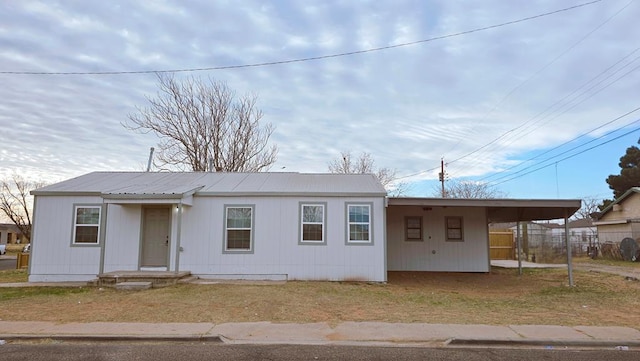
[[538, 99]]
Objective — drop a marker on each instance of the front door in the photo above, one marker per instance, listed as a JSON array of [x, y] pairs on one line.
[[155, 237]]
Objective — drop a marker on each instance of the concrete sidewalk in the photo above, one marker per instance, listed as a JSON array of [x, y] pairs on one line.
[[353, 333]]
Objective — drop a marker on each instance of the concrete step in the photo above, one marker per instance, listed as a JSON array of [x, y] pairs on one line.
[[131, 286]]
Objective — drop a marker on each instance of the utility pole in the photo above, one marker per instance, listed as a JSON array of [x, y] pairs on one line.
[[441, 176]]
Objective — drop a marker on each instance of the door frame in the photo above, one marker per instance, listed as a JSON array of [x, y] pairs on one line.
[[142, 235]]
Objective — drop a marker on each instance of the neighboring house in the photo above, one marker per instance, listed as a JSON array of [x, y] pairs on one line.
[[277, 226], [9, 233], [620, 219]]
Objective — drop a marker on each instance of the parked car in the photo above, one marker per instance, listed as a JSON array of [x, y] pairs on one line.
[[27, 248], [3, 249]]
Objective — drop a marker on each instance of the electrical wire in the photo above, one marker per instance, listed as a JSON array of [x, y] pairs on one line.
[[290, 61]]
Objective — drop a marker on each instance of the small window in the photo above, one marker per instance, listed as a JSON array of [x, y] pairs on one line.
[[86, 224], [359, 223], [239, 229], [454, 229], [312, 223], [413, 228]]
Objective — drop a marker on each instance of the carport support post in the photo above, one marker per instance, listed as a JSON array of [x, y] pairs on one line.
[[568, 245]]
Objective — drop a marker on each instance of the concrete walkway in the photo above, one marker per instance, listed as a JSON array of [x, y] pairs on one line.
[[353, 333]]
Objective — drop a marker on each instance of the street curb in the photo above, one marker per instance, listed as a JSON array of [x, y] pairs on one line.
[[543, 343], [112, 338]]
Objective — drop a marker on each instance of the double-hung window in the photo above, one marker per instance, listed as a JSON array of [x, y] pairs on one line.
[[455, 229], [238, 228], [86, 224], [312, 224], [413, 228], [358, 223]]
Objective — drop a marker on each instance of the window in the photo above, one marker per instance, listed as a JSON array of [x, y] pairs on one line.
[[238, 228], [413, 228], [454, 229], [86, 224], [358, 223], [312, 222]]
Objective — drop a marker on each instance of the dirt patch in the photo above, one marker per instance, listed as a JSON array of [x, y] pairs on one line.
[[499, 298]]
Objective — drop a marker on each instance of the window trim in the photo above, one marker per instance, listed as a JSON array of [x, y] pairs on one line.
[[301, 224], [348, 224], [460, 228], [406, 229], [74, 224], [225, 233]]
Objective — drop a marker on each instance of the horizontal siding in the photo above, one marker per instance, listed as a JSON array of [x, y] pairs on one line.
[[434, 253]]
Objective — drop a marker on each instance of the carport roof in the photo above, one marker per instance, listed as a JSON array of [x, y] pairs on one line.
[[502, 210]]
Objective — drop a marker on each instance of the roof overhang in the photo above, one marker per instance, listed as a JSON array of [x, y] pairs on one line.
[[502, 210], [174, 196]]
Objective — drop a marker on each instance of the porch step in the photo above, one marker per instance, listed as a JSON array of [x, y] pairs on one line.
[[131, 286], [156, 278]]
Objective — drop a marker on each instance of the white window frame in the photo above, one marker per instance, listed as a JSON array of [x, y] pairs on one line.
[[323, 223], [369, 224], [75, 226], [225, 245]]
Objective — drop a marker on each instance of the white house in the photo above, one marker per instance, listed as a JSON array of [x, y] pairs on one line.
[[260, 226]]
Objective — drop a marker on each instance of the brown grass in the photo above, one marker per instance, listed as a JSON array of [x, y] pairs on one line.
[[499, 298]]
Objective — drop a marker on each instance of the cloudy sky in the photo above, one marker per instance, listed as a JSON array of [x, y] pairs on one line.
[[538, 98]]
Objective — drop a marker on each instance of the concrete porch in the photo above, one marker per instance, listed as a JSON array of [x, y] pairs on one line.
[[140, 279]]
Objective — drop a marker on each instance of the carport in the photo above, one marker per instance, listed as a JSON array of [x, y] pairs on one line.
[[490, 210]]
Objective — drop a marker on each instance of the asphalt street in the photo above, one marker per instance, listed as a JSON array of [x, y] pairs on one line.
[[208, 351]]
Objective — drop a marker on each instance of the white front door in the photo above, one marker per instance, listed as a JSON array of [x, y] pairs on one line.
[[155, 237]]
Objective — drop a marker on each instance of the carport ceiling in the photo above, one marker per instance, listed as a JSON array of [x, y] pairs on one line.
[[502, 210]]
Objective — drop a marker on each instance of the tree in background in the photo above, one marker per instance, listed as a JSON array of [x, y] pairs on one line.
[[15, 202], [470, 189], [589, 207], [629, 173], [203, 126], [364, 164]]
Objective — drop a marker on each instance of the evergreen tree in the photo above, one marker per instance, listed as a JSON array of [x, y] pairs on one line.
[[629, 173]]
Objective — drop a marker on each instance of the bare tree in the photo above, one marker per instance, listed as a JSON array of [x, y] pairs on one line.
[[364, 164], [15, 202], [589, 207], [470, 189], [203, 126]]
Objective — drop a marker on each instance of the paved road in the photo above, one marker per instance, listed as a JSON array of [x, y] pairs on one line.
[[6, 264], [208, 351]]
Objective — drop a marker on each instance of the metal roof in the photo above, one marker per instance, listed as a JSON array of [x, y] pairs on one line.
[[177, 184], [502, 210]]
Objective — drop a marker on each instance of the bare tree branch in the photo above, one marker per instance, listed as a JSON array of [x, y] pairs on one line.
[[15, 202], [364, 164], [203, 126], [470, 189]]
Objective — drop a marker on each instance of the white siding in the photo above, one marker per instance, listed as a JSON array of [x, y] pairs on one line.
[[52, 256], [276, 252], [122, 243], [434, 253]]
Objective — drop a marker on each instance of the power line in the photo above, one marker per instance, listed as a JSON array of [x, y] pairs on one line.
[[565, 158], [526, 123], [281, 62]]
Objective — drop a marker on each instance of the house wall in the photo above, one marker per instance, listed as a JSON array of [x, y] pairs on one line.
[[277, 253], [614, 232], [122, 237], [53, 258], [629, 208], [434, 252]]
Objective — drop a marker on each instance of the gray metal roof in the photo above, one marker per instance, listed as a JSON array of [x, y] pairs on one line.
[[502, 210], [166, 184]]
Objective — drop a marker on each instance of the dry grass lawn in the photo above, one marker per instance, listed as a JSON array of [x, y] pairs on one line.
[[498, 298]]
